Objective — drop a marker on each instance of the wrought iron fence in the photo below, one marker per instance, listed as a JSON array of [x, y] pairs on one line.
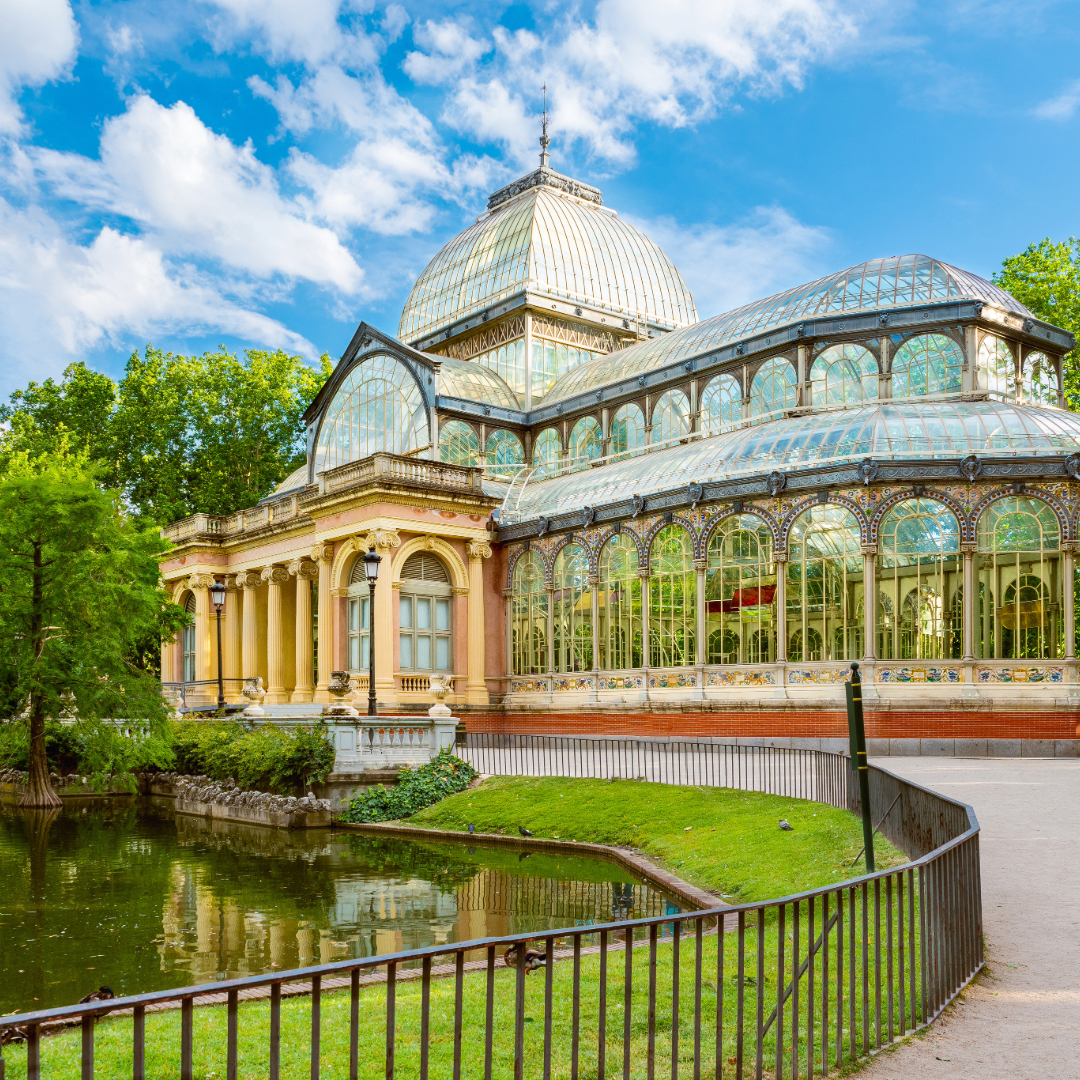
[[793, 986]]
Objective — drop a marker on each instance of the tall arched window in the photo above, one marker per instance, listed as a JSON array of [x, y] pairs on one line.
[[671, 416], [919, 575], [586, 441], [842, 374], [1019, 569], [424, 614], [572, 610], [504, 454], [529, 616], [773, 387], [187, 641], [740, 593], [1039, 380], [359, 618], [927, 364], [721, 403], [672, 599], [546, 451], [627, 430], [997, 370], [378, 407], [619, 601], [825, 586], [458, 443]]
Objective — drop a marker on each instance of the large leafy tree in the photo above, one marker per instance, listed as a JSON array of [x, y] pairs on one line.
[[79, 595], [1046, 278]]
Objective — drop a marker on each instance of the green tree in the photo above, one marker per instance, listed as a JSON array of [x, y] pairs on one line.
[[79, 593], [1046, 278]]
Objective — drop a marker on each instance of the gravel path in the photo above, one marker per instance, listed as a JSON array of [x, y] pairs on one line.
[[1022, 1019]]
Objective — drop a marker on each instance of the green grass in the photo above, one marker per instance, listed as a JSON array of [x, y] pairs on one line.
[[728, 842]]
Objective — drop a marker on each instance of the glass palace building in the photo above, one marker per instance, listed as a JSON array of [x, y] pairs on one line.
[[591, 501]]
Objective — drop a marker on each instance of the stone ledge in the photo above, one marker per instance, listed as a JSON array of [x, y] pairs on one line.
[[250, 815]]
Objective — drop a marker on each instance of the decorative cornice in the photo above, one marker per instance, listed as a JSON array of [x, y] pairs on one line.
[[548, 178]]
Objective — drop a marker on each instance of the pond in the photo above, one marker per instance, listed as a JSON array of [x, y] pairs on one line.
[[128, 895]]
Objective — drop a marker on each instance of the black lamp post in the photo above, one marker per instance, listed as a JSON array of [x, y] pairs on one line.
[[371, 570], [217, 596]]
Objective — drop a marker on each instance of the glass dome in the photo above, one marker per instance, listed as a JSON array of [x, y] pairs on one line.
[[881, 283], [552, 244], [882, 431], [474, 382]]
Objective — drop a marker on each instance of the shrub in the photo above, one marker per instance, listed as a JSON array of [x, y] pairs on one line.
[[264, 758], [415, 789]]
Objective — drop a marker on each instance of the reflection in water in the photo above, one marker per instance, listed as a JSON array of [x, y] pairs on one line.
[[130, 896]]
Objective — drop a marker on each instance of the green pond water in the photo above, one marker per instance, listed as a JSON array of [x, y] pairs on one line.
[[130, 896]]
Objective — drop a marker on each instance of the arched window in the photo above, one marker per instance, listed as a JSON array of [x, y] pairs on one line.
[[359, 618], [425, 623], [1039, 380], [671, 416], [919, 572], [844, 373], [825, 586], [378, 407], [773, 387], [504, 454], [997, 370], [927, 364], [627, 430], [619, 601], [740, 592], [672, 599], [529, 616], [546, 451], [586, 441], [1019, 569], [721, 403], [187, 641], [572, 610], [458, 443]]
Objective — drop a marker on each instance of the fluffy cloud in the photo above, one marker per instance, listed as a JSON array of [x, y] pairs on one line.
[[1062, 107], [37, 43]]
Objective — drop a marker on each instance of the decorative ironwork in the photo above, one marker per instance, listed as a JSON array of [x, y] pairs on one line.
[[971, 467], [775, 482]]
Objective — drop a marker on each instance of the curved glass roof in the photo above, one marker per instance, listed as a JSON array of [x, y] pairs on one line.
[[474, 382], [549, 243], [880, 283], [881, 431]]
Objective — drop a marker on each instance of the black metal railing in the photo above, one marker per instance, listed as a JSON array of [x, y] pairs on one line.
[[795, 986]]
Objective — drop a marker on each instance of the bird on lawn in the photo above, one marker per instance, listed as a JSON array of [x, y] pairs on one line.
[[533, 959], [524, 831], [472, 829], [785, 826], [104, 993]]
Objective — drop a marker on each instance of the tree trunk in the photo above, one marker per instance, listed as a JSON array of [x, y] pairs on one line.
[[39, 792]]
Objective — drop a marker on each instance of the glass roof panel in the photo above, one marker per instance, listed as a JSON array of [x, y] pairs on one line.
[[474, 382]]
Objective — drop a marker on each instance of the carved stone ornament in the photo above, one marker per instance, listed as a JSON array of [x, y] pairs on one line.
[[1029, 325], [542, 526], [736, 506], [599, 395], [971, 468], [477, 549], [694, 493], [438, 689], [918, 490], [303, 568], [883, 320], [322, 553], [254, 692], [740, 349], [339, 686], [800, 329], [378, 538], [638, 504], [248, 579], [1072, 466], [641, 381], [588, 515], [977, 309], [775, 482], [200, 581], [275, 575], [867, 470]]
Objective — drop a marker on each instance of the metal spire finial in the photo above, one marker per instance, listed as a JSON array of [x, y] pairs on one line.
[[544, 140]]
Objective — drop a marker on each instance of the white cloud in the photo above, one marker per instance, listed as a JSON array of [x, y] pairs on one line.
[[1062, 107], [730, 265], [450, 49], [38, 39]]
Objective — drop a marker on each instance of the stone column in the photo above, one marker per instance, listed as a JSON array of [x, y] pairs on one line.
[[476, 685], [803, 390], [275, 577], [970, 600], [1068, 558], [594, 593], [200, 584], [781, 607], [550, 590], [323, 556], [508, 604], [382, 618], [305, 572], [869, 551], [247, 582], [885, 377], [168, 661], [646, 651], [230, 643], [702, 652]]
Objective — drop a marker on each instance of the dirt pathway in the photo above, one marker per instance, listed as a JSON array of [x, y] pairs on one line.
[[1022, 1020]]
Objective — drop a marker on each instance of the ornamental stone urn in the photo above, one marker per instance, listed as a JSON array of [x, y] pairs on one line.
[[439, 690], [340, 686], [254, 692]]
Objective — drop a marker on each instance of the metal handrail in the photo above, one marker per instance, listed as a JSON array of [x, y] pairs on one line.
[[925, 939]]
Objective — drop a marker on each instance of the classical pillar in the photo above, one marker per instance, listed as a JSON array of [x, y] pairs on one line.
[[247, 582], [885, 377], [803, 390], [200, 584], [382, 622], [305, 572], [230, 640], [476, 685], [970, 600], [168, 661], [508, 603], [869, 602], [781, 607], [1068, 592], [702, 653], [550, 591], [594, 594], [275, 577], [323, 556], [646, 651]]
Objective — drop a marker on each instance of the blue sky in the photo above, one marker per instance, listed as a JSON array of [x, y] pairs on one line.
[[267, 173]]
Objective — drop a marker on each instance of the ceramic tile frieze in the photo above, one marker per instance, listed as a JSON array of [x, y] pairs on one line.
[[560, 684], [529, 686], [1020, 674], [621, 682], [673, 680], [817, 676], [919, 674], [740, 678]]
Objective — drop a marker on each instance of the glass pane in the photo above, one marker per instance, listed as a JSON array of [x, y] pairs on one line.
[[364, 603], [423, 652], [442, 614], [442, 653], [365, 662], [354, 653], [423, 613], [405, 613], [406, 651], [354, 616]]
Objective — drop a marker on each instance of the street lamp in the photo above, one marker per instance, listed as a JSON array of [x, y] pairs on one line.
[[217, 597], [371, 571]]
